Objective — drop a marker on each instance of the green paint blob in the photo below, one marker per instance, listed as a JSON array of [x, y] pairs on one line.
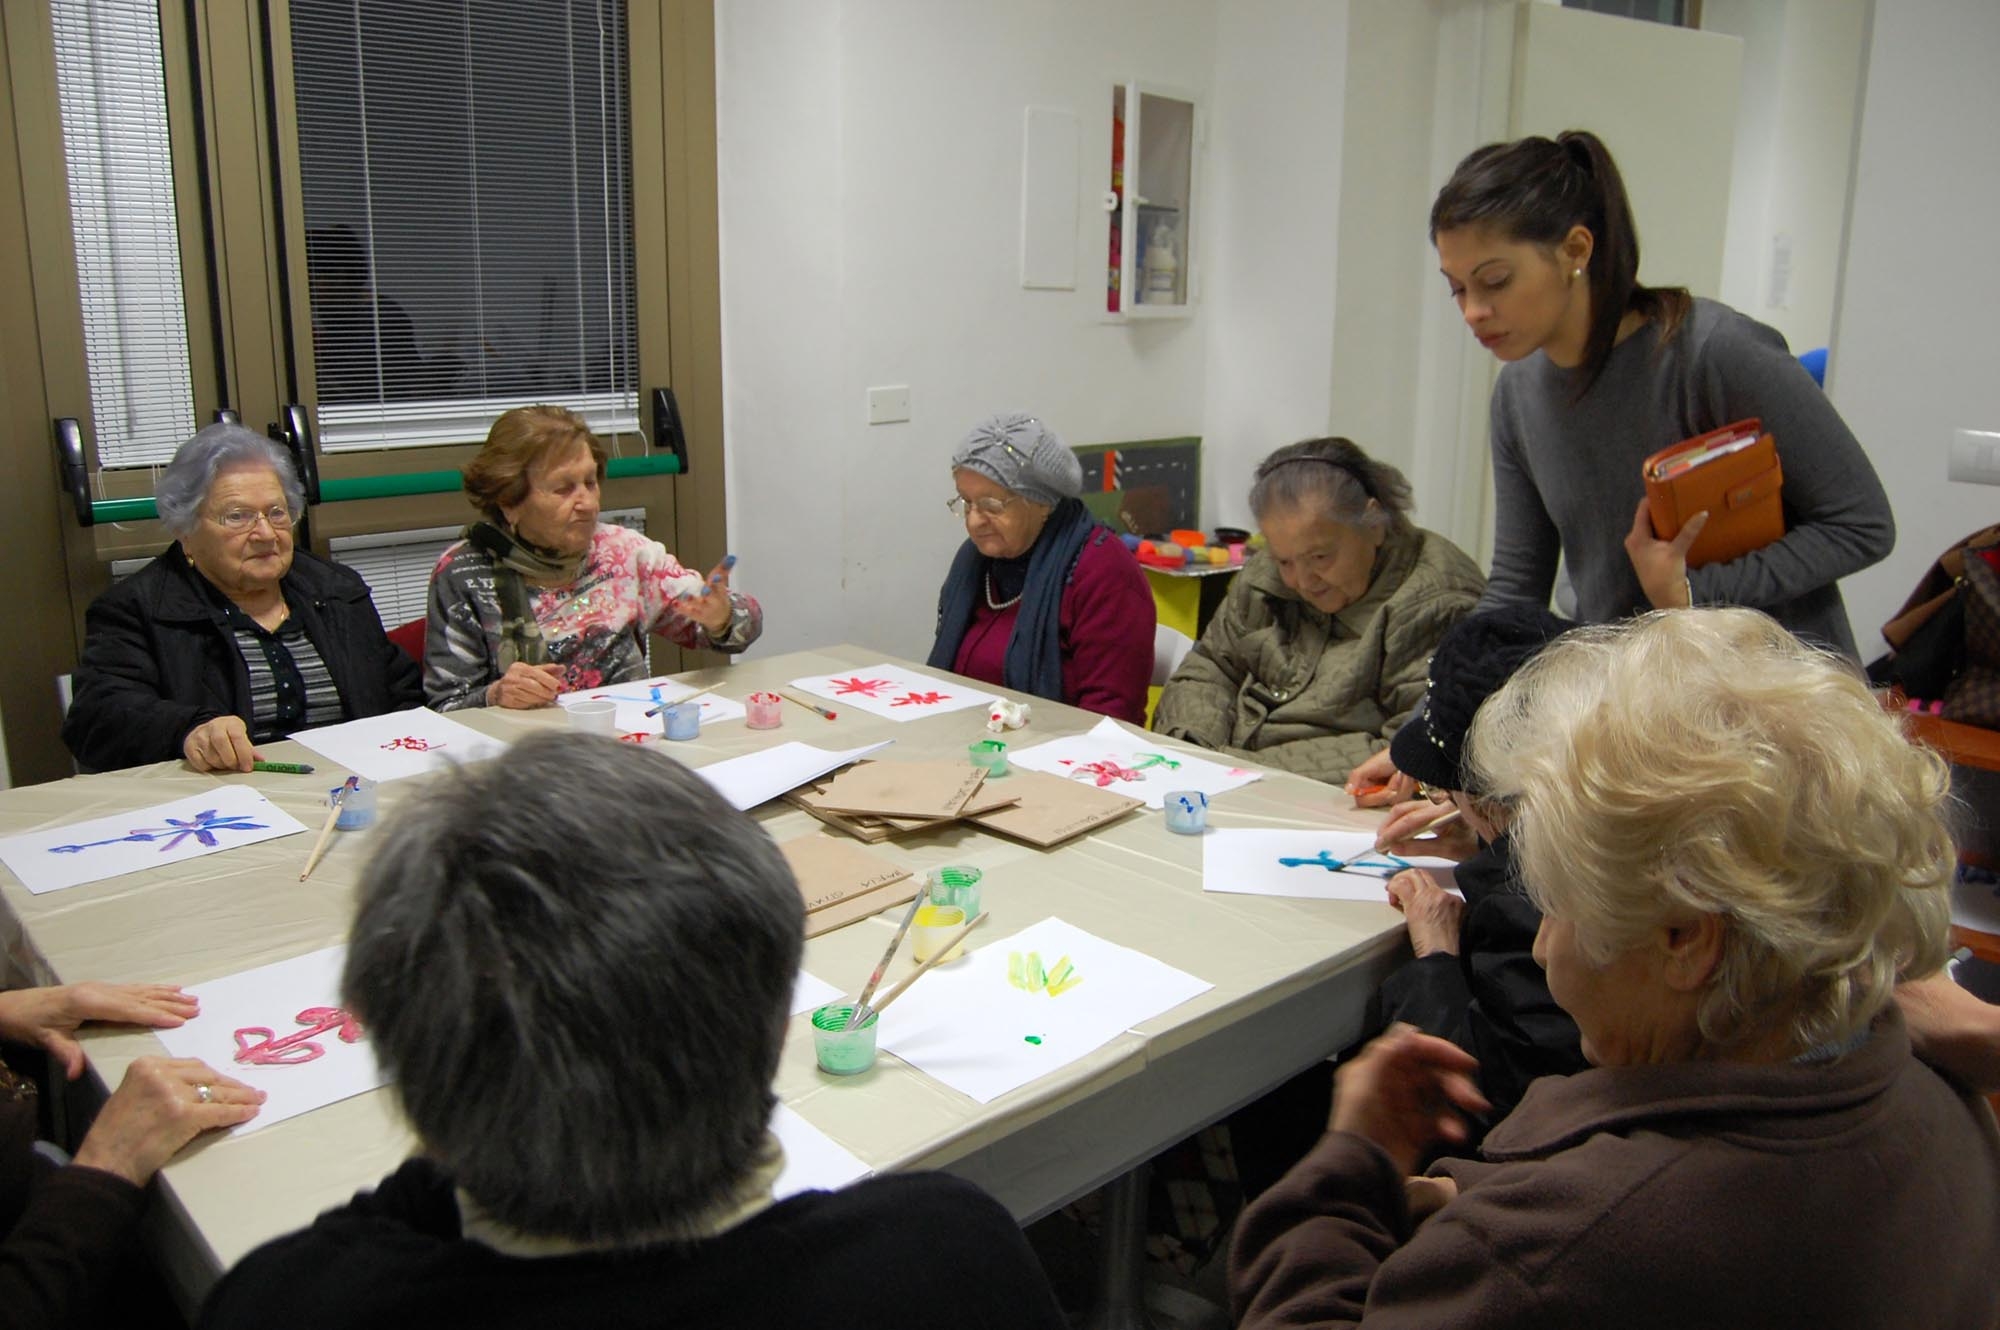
[[1034, 1039]]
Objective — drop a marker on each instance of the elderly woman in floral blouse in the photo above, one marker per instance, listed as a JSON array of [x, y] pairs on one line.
[[540, 597]]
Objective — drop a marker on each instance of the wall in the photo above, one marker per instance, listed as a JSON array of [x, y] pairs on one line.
[[870, 169], [1913, 344], [1802, 66], [1276, 168]]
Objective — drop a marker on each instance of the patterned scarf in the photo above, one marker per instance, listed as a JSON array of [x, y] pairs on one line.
[[515, 560]]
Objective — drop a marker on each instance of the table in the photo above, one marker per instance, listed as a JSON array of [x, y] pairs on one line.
[[1291, 977]]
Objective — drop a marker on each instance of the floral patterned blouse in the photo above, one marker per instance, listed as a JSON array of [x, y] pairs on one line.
[[596, 627]]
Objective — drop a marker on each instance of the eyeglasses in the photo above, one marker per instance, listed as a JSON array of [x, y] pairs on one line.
[[1433, 793], [992, 507], [240, 520]]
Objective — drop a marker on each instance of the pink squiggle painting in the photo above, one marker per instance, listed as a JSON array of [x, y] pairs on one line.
[[258, 1046]]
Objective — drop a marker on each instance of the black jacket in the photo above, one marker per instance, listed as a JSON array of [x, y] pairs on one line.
[[1491, 999], [159, 659]]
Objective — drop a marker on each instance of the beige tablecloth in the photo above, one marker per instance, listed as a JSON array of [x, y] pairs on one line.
[[1289, 976]]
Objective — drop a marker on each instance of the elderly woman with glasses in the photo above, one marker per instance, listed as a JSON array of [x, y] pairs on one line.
[[1737, 856], [1041, 597], [231, 638], [1318, 652], [541, 598]]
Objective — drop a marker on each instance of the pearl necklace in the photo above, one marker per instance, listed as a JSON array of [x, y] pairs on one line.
[[993, 604]]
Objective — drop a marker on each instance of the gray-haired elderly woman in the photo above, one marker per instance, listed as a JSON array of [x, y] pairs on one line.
[[581, 1012], [1318, 653], [1737, 856], [1041, 597], [231, 638]]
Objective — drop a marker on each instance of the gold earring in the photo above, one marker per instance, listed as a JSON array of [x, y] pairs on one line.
[[1575, 273]]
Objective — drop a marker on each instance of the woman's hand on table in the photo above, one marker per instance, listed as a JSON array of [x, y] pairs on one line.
[[1432, 914], [1377, 784], [1407, 1091], [1416, 817], [162, 1104], [711, 606], [1662, 564], [49, 1016], [222, 744], [525, 687]]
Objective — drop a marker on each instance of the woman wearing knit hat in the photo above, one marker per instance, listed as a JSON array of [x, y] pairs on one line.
[[1042, 597]]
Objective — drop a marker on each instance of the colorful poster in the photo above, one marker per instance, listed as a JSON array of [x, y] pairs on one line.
[[209, 823], [1319, 865], [402, 743], [282, 1029], [1014, 1009], [1112, 757], [894, 692]]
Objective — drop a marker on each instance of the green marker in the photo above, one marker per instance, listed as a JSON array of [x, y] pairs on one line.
[[284, 768]]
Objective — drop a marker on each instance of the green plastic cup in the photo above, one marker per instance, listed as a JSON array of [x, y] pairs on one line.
[[843, 1052], [956, 884]]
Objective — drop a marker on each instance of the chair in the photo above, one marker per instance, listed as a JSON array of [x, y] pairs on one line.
[[409, 637], [1170, 645], [1976, 749]]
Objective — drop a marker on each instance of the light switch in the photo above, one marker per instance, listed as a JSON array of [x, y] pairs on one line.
[[886, 406], [1975, 456]]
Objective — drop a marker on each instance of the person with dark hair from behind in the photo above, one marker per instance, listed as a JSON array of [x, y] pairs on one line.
[[580, 1014], [1537, 243], [1474, 979]]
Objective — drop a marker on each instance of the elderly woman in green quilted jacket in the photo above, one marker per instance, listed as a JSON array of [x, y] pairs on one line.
[[1319, 652]]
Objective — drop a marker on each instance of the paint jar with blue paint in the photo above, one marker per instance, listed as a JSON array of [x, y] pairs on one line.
[[956, 885], [841, 1051], [1187, 812], [682, 720], [989, 755], [357, 808]]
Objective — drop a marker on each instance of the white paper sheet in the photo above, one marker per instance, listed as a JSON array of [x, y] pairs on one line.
[[810, 993], [812, 1160], [966, 1025], [635, 699], [238, 1009], [756, 778], [402, 743], [1250, 863], [210, 823], [1115, 758], [893, 691]]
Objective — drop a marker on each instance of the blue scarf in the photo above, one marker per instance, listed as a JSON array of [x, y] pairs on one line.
[[1033, 663]]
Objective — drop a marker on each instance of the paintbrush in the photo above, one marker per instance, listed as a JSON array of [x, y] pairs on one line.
[[807, 705], [936, 957], [326, 832], [691, 697], [882, 966], [1431, 828]]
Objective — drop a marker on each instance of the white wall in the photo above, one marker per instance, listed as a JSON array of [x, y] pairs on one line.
[[1802, 66], [870, 169], [1275, 167], [1914, 344]]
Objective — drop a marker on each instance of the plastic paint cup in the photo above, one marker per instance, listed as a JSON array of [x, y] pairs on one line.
[[683, 720], [1187, 812], [596, 717], [933, 927], [357, 810], [955, 884], [991, 754], [764, 711], [843, 1052]]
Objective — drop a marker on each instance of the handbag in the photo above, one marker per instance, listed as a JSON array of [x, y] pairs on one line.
[[1733, 475], [1974, 696], [1928, 635]]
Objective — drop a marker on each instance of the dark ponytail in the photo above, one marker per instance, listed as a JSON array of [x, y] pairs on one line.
[[1534, 190]]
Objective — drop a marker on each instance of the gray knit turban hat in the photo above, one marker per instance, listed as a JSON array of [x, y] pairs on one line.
[[1018, 451]]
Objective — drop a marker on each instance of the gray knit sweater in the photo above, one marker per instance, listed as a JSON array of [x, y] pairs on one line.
[[1566, 474]]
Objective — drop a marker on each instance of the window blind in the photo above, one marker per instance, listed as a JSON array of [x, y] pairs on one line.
[[111, 88], [465, 180], [397, 565]]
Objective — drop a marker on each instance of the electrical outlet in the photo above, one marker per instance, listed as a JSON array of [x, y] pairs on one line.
[[1975, 456], [886, 406]]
